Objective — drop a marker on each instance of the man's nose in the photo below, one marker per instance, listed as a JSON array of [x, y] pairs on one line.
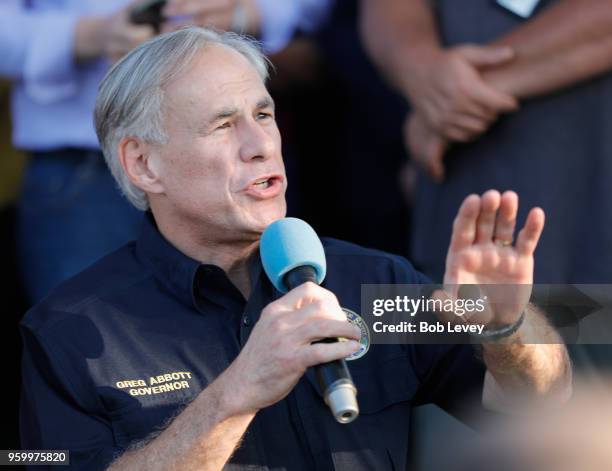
[[256, 142]]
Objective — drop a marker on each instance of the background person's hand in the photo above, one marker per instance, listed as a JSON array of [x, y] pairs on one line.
[[280, 348], [219, 14], [122, 35], [425, 146], [110, 36], [452, 97]]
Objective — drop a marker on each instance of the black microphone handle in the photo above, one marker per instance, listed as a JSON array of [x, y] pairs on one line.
[[331, 373], [300, 275]]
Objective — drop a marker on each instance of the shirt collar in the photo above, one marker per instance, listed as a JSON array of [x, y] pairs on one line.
[[173, 268]]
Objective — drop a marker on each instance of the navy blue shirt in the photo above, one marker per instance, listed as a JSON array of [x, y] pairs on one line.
[[117, 351]]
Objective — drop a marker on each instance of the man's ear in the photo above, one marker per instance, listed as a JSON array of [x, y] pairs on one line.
[[139, 165]]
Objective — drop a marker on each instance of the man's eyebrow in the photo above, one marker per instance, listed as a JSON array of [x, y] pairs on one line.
[[229, 111], [223, 113], [265, 102]]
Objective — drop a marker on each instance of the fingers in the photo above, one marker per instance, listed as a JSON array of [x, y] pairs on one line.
[[491, 218], [481, 93], [496, 101], [197, 7], [426, 146], [486, 219], [220, 21], [137, 35], [318, 353], [121, 35], [457, 102], [309, 313], [303, 295], [464, 226], [529, 236], [323, 308], [123, 42], [506, 217], [465, 129], [486, 56], [316, 329], [435, 149], [474, 126], [322, 319]]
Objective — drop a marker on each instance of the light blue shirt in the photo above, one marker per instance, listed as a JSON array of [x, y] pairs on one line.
[[53, 97], [281, 18]]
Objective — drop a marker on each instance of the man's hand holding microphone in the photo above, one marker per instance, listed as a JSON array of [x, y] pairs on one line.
[[284, 344]]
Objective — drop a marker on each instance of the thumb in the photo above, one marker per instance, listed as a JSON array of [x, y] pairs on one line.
[[486, 56], [440, 297], [435, 159]]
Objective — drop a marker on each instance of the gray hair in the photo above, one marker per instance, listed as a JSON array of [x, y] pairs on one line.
[[130, 97]]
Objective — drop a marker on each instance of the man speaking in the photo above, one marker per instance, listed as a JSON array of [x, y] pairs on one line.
[[176, 352]]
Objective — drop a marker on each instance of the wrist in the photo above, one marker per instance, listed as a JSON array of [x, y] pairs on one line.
[[511, 353], [230, 397], [500, 79], [418, 64], [501, 334]]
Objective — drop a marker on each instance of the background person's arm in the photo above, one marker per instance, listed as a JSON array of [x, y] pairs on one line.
[[443, 85], [569, 43], [36, 50], [108, 36], [42, 49]]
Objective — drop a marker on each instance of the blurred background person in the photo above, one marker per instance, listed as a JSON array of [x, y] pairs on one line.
[[464, 67], [70, 212], [574, 437]]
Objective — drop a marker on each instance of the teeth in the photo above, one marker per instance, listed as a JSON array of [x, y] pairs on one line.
[[264, 184]]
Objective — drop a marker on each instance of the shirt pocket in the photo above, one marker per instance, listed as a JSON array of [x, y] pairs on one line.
[[379, 437], [384, 383]]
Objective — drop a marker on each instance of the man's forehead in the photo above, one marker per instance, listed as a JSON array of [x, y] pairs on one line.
[[218, 79], [217, 66]]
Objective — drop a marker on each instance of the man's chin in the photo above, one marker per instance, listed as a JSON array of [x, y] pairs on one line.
[[265, 218]]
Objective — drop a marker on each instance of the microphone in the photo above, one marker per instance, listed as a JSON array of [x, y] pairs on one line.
[[292, 254]]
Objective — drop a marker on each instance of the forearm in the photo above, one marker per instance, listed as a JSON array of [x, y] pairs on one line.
[[532, 364], [252, 18], [568, 43], [399, 37], [203, 436]]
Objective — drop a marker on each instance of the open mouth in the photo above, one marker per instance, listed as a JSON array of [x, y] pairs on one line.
[[263, 183], [266, 187]]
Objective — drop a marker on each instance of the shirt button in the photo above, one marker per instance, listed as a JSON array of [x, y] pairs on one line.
[[246, 320]]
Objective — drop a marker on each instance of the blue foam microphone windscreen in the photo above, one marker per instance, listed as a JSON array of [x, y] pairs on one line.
[[287, 244]]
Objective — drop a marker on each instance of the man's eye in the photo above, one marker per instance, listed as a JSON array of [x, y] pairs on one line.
[[264, 115], [223, 126]]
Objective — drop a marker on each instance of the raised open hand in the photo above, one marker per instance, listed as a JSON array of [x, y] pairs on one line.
[[482, 253]]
